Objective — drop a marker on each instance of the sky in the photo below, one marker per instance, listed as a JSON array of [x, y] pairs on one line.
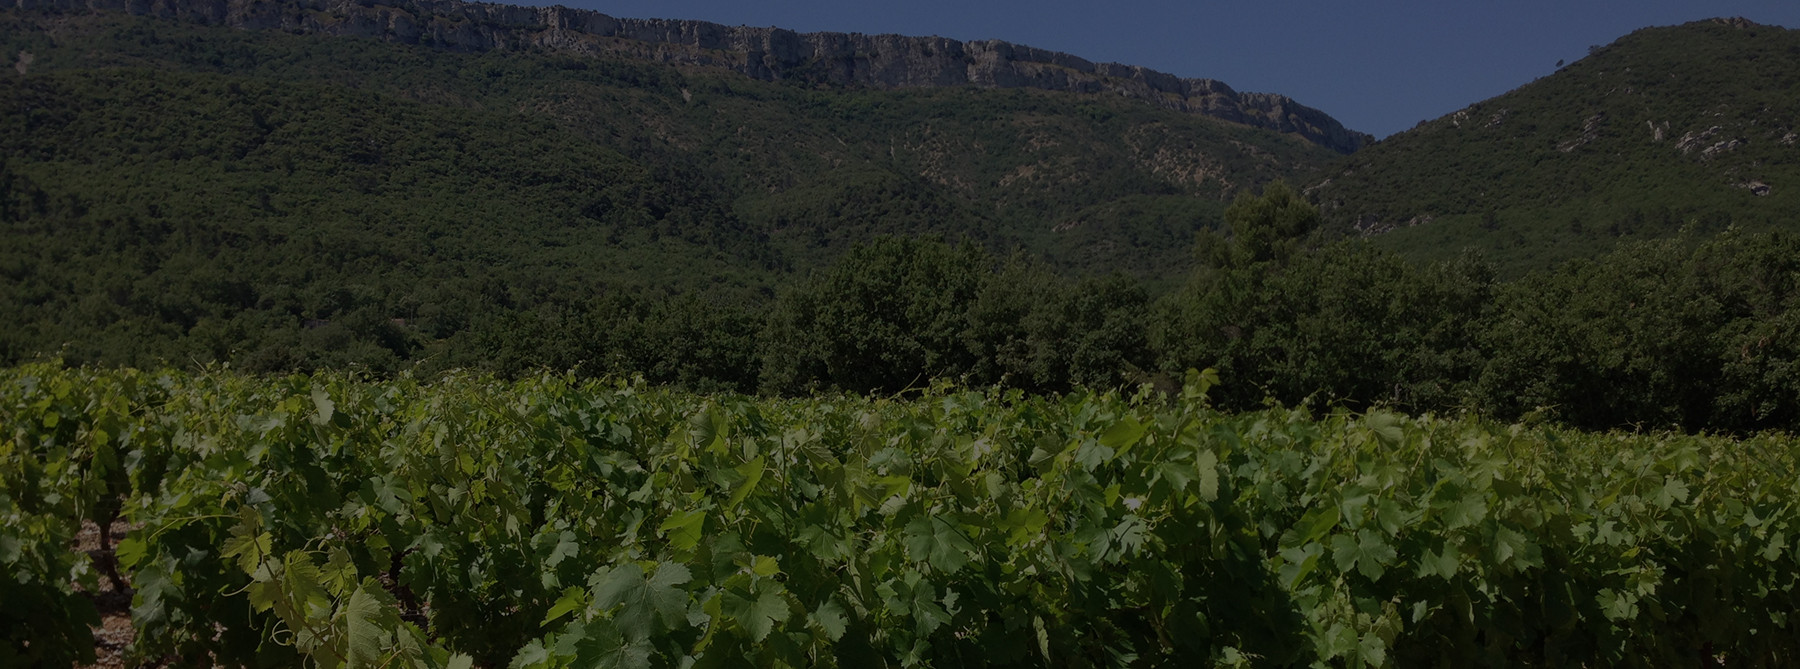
[[1379, 66]]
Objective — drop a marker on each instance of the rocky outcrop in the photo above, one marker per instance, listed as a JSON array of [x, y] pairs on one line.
[[773, 54]]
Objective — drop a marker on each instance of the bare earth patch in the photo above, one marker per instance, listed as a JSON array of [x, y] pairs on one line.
[[115, 631]]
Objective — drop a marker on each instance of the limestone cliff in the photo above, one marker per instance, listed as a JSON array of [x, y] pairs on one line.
[[879, 61]]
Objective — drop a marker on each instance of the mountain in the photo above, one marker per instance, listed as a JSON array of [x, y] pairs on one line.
[[1095, 182], [1692, 126], [770, 54], [169, 173]]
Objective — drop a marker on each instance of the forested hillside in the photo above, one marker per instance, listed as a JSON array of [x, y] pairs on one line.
[[176, 193], [173, 191], [1690, 126], [810, 166]]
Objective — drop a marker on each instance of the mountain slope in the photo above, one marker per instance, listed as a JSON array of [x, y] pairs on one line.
[[176, 190], [1687, 126], [768, 54], [1096, 183]]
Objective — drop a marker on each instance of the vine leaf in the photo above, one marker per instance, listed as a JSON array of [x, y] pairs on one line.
[[1209, 475], [831, 619], [566, 547], [683, 528], [644, 599], [1514, 549], [938, 542], [604, 646], [1442, 564], [1123, 434], [1386, 427], [752, 472], [247, 544], [249, 550], [1301, 561], [1367, 552], [323, 404], [1673, 491], [1466, 511], [10, 549], [570, 600], [367, 618], [339, 574], [1316, 524], [769, 610]]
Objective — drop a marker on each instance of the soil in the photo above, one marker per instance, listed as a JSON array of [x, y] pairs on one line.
[[115, 631]]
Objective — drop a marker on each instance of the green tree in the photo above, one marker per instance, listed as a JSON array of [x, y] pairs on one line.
[[1269, 227], [1659, 334], [888, 316], [1007, 324], [1281, 318]]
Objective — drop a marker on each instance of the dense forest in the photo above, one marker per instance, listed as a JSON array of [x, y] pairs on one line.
[[1667, 334], [1680, 333]]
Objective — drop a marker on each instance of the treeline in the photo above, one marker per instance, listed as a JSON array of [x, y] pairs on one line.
[[1671, 334], [1679, 333]]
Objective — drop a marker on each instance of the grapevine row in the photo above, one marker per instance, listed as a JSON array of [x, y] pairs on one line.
[[547, 523]]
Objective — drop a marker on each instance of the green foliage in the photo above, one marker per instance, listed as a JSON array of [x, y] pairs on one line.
[[1669, 334], [544, 524], [1680, 333], [688, 341], [898, 313], [176, 193], [1027, 329], [1663, 334], [1344, 324], [53, 471], [1266, 228], [886, 318], [325, 612], [263, 243]]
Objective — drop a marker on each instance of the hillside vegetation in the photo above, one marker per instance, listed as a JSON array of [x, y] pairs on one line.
[[807, 166], [1692, 126], [181, 194], [172, 191]]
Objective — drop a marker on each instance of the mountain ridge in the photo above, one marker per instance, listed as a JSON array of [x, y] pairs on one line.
[[769, 54], [1666, 128], [175, 189]]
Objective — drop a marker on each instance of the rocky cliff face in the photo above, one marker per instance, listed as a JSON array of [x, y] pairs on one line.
[[879, 61]]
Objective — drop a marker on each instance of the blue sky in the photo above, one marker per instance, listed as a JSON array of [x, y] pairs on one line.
[[1378, 66]]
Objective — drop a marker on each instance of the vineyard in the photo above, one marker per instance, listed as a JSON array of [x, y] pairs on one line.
[[334, 521]]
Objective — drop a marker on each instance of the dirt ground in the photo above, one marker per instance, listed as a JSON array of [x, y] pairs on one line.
[[115, 631]]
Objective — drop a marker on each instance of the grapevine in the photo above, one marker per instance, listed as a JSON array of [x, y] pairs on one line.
[[465, 521]]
